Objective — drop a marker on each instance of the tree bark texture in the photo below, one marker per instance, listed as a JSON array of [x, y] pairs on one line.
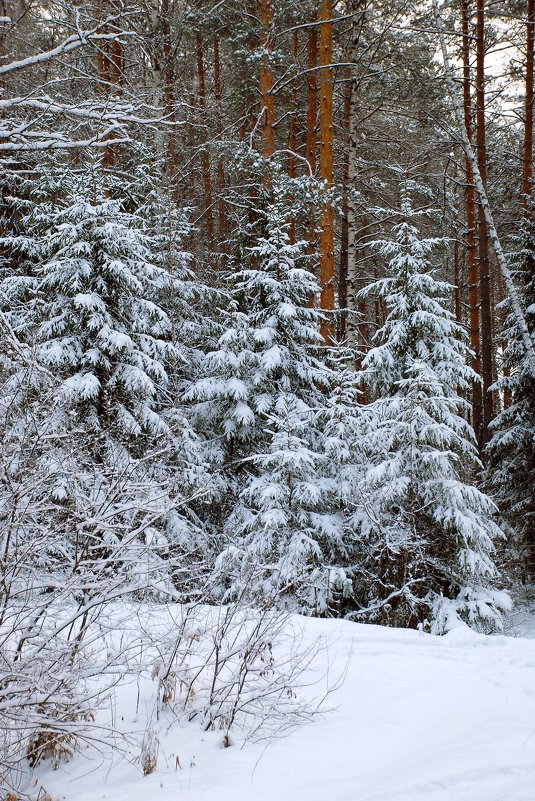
[[326, 166], [471, 236], [484, 263], [205, 157], [267, 100]]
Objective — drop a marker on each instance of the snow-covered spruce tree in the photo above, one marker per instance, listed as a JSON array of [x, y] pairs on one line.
[[286, 533], [341, 425], [193, 308], [119, 459], [263, 388], [511, 450], [269, 332], [430, 530]]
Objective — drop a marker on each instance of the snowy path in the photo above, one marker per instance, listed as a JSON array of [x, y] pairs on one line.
[[418, 718]]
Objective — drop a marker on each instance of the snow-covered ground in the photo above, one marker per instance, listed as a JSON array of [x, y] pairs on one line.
[[417, 718]]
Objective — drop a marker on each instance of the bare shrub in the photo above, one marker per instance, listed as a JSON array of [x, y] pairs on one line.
[[149, 752], [234, 667]]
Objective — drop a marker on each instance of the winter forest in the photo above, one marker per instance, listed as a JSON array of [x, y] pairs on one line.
[[267, 389]]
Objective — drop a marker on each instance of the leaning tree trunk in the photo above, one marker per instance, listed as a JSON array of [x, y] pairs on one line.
[[493, 234]]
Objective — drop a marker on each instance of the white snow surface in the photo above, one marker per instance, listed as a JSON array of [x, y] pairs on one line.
[[416, 718]]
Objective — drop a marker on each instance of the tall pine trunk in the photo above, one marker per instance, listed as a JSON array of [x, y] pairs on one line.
[[205, 158], [353, 304], [484, 263], [326, 170], [512, 292], [344, 232], [292, 132], [218, 92], [267, 100], [471, 238], [110, 75], [312, 108], [169, 99]]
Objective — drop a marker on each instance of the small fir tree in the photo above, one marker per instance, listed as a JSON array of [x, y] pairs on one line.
[[431, 532], [262, 394], [285, 532]]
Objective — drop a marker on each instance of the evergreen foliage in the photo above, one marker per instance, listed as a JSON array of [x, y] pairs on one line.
[[431, 533], [512, 447], [113, 454], [264, 391]]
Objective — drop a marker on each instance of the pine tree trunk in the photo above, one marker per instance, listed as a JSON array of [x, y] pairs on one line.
[[292, 132], [117, 60], [205, 158], [326, 166], [506, 371], [267, 100], [484, 263], [456, 282], [169, 98], [342, 273], [312, 107], [471, 250], [352, 244], [527, 161], [312, 97], [191, 129], [103, 60], [108, 73], [218, 92]]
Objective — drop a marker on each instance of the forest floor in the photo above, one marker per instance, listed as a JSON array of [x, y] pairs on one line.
[[416, 718]]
